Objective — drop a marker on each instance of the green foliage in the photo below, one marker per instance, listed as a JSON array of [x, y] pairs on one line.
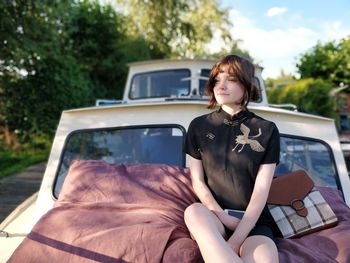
[[311, 95], [274, 86], [34, 103], [96, 35], [328, 61], [12, 162], [56, 56], [282, 80], [35, 151], [40, 76], [176, 28]]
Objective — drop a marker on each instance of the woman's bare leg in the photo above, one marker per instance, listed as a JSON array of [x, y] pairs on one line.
[[208, 232], [259, 249]]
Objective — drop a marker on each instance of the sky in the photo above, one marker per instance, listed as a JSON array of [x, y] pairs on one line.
[[277, 33]]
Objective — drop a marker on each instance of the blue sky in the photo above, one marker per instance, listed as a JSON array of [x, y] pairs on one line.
[[276, 33]]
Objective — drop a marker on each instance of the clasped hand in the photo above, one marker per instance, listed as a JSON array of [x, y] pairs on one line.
[[231, 223]]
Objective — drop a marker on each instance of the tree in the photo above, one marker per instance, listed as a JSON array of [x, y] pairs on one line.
[[176, 28], [98, 40], [310, 95], [328, 61], [282, 80], [40, 77], [274, 86], [57, 56]]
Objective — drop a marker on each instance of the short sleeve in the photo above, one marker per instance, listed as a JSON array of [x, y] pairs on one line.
[[272, 153], [191, 142]]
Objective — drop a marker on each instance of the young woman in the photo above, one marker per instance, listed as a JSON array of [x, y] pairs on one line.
[[232, 154]]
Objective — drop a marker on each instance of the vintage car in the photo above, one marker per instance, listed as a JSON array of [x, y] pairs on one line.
[[144, 134]]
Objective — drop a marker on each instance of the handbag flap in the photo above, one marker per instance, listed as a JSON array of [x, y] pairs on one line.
[[291, 189]]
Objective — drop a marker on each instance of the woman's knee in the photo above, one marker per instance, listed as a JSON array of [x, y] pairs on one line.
[[194, 213], [259, 249]]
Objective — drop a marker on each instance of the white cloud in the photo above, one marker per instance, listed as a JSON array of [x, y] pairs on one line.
[[275, 11], [334, 30], [275, 49], [279, 48]]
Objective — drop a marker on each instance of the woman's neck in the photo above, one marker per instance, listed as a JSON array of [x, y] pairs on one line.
[[232, 110]]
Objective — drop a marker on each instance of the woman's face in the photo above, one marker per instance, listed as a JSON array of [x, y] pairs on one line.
[[228, 91]]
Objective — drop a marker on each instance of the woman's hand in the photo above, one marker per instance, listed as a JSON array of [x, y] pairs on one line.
[[230, 222]]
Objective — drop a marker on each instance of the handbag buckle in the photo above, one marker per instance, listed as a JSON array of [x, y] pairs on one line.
[[299, 206]]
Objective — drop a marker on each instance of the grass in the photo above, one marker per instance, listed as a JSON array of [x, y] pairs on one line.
[[13, 162]]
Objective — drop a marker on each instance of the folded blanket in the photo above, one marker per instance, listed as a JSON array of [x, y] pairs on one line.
[[115, 213], [134, 213]]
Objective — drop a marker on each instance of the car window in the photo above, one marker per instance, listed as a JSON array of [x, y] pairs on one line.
[[151, 144], [165, 83], [203, 79], [311, 155]]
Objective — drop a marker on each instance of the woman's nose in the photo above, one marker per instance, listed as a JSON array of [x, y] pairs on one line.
[[221, 84]]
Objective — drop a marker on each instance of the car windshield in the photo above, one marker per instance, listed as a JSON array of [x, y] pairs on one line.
[[155, 144], [165, 83], [164, 144]]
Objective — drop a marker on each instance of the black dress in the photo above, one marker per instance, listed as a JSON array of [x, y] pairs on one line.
[[231, 149]]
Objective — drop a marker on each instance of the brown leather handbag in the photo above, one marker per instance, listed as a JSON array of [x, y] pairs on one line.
[[297, 207]]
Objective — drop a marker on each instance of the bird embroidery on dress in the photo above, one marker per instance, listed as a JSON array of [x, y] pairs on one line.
[[246, 139]]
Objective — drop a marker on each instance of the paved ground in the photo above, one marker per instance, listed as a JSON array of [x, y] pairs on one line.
[[18, 187]]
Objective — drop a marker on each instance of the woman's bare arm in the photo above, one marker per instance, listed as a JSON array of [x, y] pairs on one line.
[[205, 196]]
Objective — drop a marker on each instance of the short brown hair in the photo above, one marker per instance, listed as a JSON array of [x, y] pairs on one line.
[[242, 69]]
